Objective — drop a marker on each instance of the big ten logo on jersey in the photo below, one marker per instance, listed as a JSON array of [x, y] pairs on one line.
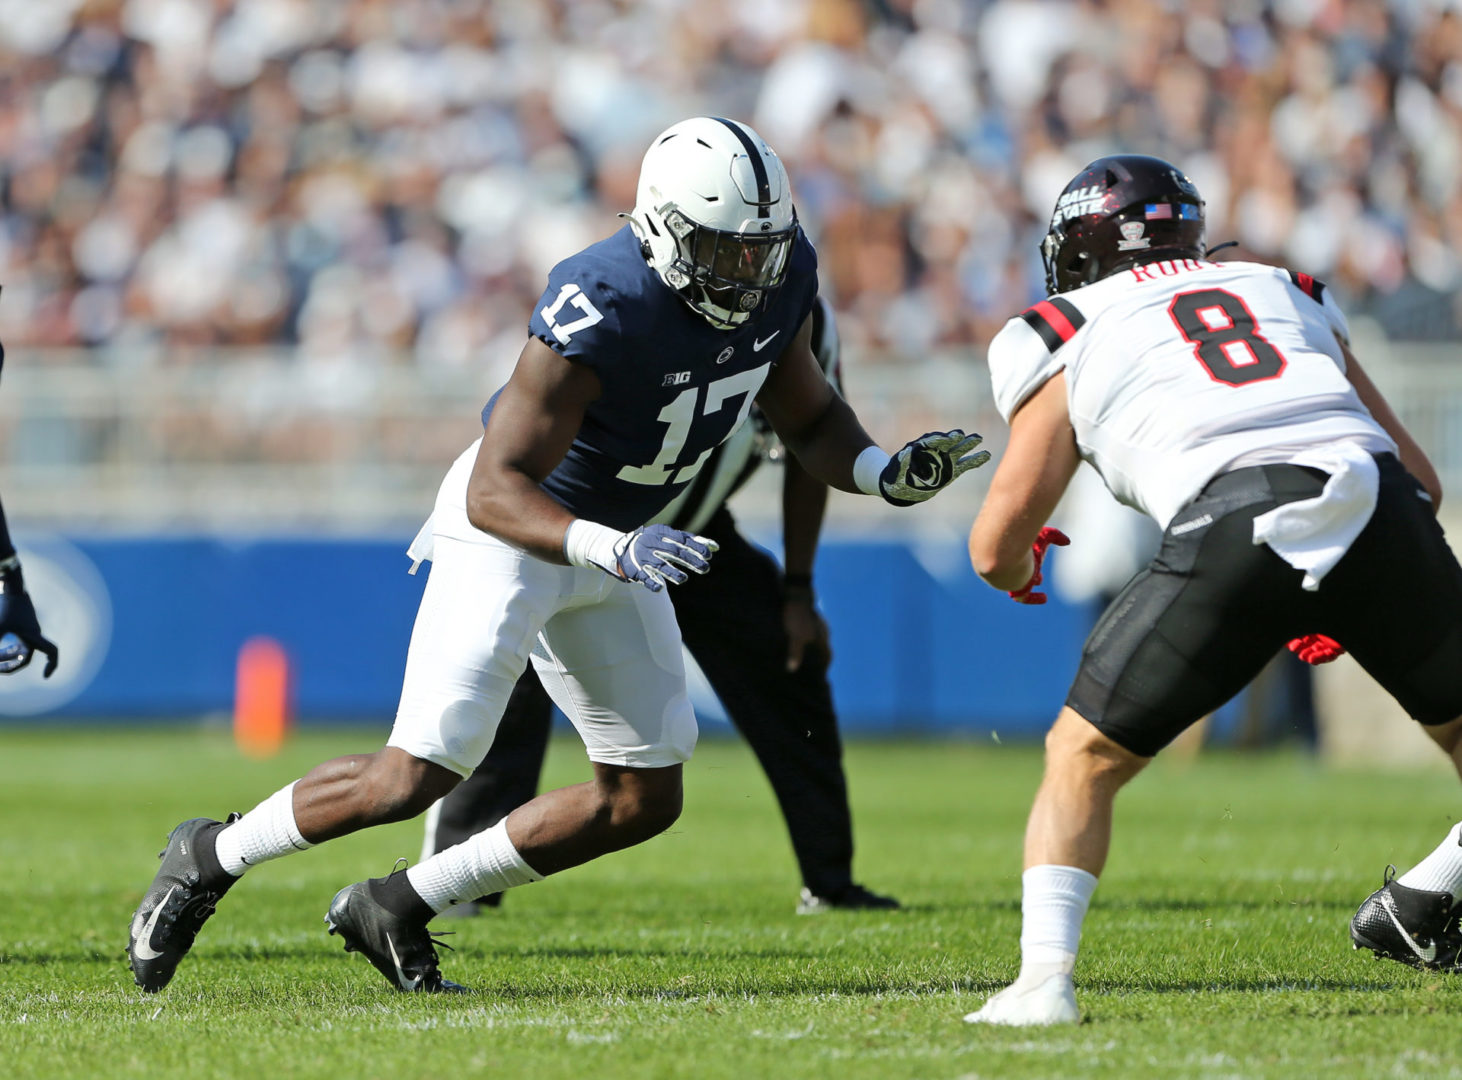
[[572, 296], [676, 378], [1084, 200]]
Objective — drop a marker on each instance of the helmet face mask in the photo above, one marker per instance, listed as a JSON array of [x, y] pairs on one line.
[[714, 217], [1116, 213]]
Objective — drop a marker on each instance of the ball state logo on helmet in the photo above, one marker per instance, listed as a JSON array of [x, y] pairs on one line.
[[1090, 199], [714, 216], [1117, 212]]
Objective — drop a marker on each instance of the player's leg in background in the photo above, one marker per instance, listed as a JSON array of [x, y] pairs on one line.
[[507, 778], [732, 624], [1395, 602]]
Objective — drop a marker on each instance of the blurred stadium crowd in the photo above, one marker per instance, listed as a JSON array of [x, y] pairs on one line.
[[392, 178]]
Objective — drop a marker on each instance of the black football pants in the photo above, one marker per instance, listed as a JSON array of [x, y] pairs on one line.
[[731, 622]]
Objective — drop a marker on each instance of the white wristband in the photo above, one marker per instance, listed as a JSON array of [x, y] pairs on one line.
[[587, 543], [866, 470]]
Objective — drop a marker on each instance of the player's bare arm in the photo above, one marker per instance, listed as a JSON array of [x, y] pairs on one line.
[[1412, 455], [825, 434], [529, 432], [817, 425], [1037, 465]]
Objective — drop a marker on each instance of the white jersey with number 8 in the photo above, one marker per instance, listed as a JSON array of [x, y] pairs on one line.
[[1179, 370]]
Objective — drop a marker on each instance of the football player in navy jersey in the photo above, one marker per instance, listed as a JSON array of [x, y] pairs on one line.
[[757, 635], [645, 353]]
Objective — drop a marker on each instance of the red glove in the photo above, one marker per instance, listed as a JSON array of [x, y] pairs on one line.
[[1046, 538], [1316, 648]]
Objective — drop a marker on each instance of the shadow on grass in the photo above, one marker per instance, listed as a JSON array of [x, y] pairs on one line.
[[1166, 903], [484, 973], [1231, 903]]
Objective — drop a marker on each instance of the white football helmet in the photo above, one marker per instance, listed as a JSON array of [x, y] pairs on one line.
[[714, 216]]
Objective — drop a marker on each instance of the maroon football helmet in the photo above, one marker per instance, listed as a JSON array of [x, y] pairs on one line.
[[1117, 212]]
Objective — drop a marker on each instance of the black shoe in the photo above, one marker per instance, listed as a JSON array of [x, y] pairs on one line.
[[1414, 926], [400, 949], [848, 898], [184, 893]]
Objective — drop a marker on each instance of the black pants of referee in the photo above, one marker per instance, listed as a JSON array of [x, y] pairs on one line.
[[731, 622]]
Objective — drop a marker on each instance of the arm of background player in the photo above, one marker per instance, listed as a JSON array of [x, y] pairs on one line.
[[1412, 455], [804, 499], [7, 549], [18, 614], [1038, 463], [530, 430], [808, 416]]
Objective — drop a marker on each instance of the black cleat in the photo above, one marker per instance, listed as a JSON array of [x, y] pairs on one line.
[[848, 898], [1413, 926], [176, 904], [402, 950]]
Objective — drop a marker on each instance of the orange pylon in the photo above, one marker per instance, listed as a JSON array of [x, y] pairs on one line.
[[261, 697]]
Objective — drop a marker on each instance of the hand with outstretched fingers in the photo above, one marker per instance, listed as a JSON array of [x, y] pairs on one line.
[[928, 465], [655, 554]]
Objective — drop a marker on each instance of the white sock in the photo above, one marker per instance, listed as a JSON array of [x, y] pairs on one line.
[[1441, 871], [1052, 907], [479, 866], [265, 832]]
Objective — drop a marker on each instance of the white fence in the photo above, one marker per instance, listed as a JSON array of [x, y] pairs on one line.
[[268, 440]]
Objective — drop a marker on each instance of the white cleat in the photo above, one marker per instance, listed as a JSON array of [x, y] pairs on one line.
[[1050, 1001]]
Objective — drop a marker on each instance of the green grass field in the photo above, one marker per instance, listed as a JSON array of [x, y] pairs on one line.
[[1216, 946]]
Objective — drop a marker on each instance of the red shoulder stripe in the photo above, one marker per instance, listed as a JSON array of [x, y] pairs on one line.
[[1056, 320], [1312, 288]]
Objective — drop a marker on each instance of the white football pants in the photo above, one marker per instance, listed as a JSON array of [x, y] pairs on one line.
[[608, 651]]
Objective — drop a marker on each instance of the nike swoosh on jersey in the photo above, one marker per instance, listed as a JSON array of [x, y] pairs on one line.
[[758, 346], [406, 984], [142, 945], [1429, 954]]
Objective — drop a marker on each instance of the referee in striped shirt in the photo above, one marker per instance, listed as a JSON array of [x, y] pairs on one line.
[[757, 635]]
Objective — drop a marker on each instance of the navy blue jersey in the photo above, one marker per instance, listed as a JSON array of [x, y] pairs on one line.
[[674, 387]]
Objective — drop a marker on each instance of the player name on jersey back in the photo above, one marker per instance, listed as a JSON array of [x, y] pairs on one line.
[[1176, 369]]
